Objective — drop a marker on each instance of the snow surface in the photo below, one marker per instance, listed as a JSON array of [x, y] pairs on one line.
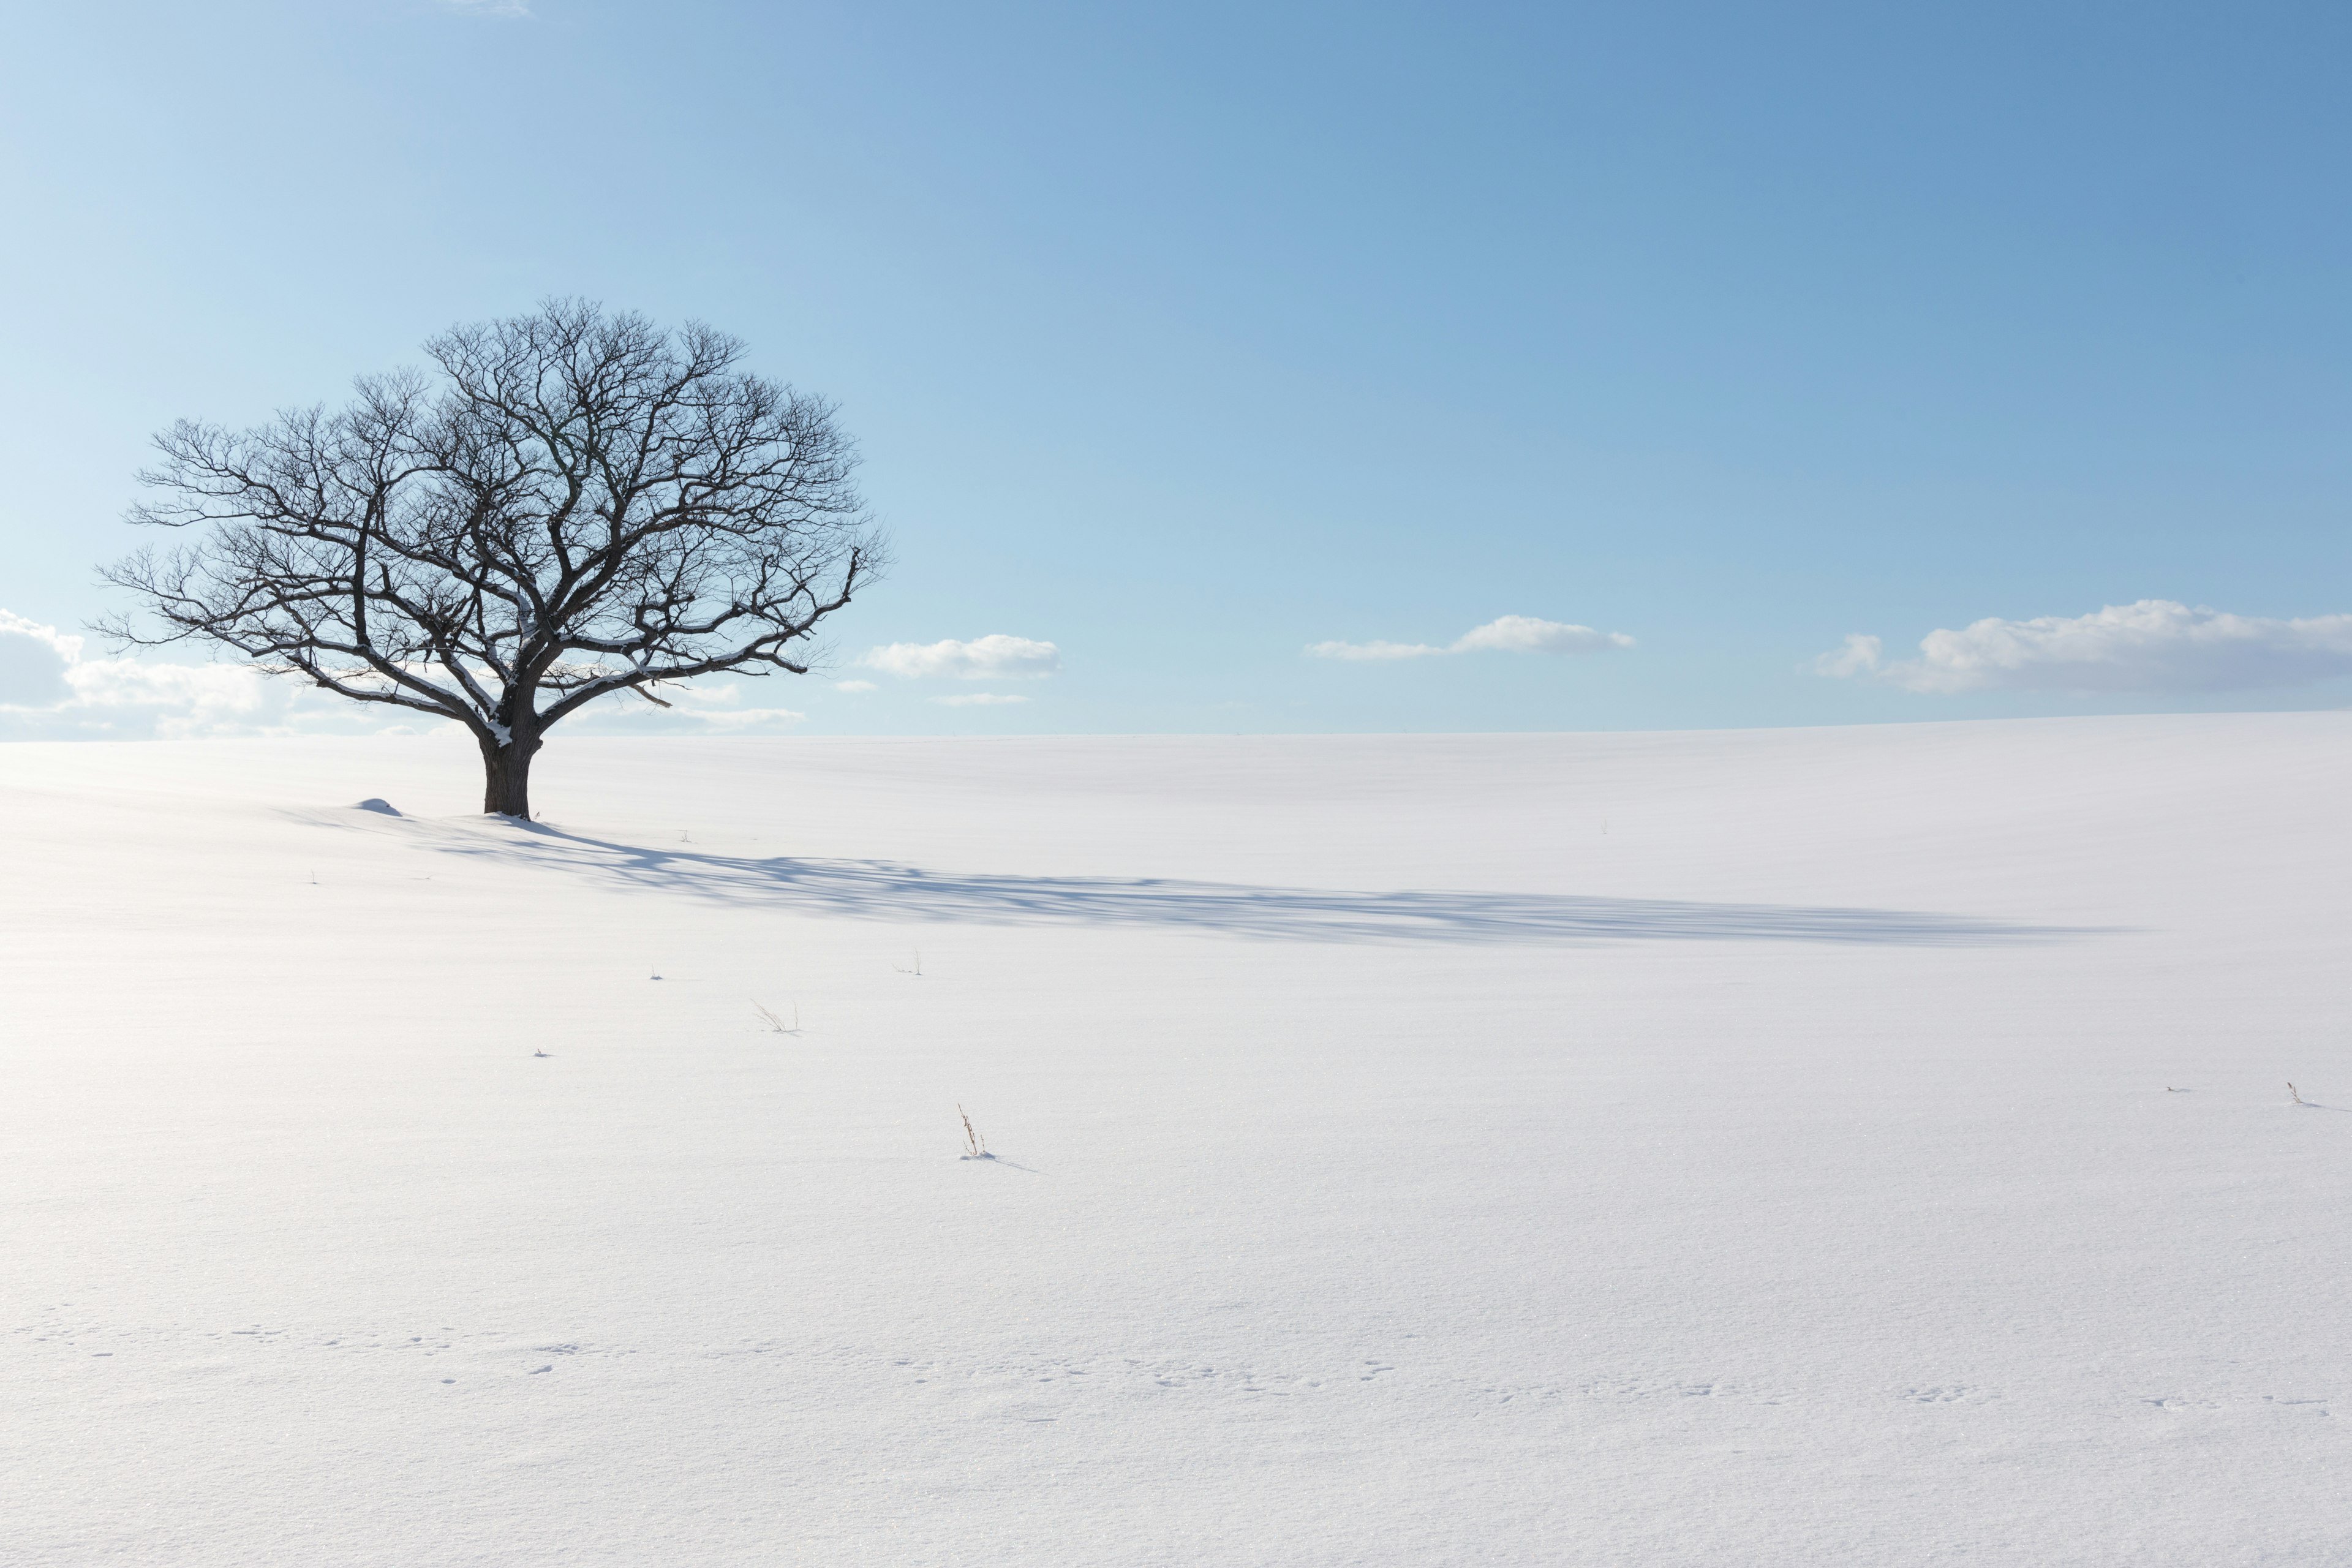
[[1868, 1146]]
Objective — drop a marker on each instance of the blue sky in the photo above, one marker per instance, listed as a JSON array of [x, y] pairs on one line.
[[1187, 339]]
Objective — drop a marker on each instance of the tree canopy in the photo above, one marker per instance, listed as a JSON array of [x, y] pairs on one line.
[[570, 504]]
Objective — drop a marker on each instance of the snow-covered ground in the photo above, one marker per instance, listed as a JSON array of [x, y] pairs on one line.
[[1862, 1146]]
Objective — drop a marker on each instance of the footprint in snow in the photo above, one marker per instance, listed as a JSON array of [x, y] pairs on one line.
[[1947, 1393]]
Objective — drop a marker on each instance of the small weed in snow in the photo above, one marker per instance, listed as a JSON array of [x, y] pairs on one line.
[[776, 1023], [975, 1146]]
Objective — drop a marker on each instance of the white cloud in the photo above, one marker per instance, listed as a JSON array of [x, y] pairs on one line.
[[180, 699], [1506, 634], [1527, 634], [48, 691], [693, 709], [1371, 650], [2155, 645], [854, 686], [993, 658], [1858, 656], [978, 700], [34, 662]]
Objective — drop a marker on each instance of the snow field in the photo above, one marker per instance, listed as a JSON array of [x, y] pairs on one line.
[[1744, 1148]]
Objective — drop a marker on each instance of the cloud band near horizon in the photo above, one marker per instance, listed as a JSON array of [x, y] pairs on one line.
[[2151, 646], [1504, 634], [995, 656]]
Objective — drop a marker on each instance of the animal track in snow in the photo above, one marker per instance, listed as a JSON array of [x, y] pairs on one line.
[[1638, 1388], [1949, 1394], [1129, 1378]]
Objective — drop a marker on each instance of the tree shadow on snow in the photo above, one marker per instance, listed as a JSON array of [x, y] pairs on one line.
[[889, 890]]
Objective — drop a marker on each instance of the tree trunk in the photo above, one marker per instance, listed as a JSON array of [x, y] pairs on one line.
[[506, 771]]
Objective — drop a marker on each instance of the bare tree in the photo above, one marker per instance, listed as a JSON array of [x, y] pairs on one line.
[[577, 504]]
